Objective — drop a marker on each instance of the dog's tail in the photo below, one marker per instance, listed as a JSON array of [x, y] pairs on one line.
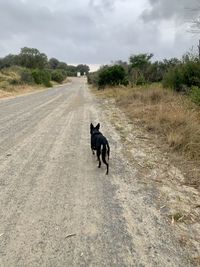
[[108, 150], [105, 149]]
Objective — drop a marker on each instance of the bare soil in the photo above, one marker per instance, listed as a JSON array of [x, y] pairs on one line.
[[165, 173]]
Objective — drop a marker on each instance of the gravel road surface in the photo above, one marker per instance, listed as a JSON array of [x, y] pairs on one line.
[[56, 207]]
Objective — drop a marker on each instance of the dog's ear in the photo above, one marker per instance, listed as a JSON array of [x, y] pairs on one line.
[[98, 126], [91, 126]]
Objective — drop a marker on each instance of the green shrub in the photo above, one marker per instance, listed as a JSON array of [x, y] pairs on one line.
[[93, 78], [174, 79], [140, 80], [183, 76], [58, 76], [195, 95], [125, 82], [26, 76], [42, 77], [113, 75], [14, 81], [191, 72]]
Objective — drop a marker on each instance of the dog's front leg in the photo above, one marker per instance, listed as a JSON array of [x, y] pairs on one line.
[[92, 146]]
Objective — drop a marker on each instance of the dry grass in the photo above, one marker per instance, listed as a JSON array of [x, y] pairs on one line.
[[11, 91], [163, 112], [6, 76], [7, 89], [197, 261]]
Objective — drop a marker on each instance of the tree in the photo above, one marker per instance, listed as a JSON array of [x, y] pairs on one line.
[[172, 62], [71, 70], [8, 61], [62, 65], [53, 63], [140, 61], [157, 70], [83, 69], [32, 58], [124, 64], [138, 70]]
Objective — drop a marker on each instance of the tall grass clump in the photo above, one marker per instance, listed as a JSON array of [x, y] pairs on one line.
[[164, 112]]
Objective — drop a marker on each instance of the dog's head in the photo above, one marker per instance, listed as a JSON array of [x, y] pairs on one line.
[[94, 129]]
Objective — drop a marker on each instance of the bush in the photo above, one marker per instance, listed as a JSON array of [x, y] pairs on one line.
[[26, 77], [140, 80], [8, 61], [174, 79], [195, 95], [42, 77], [113, 75], [92, 78], [191, 72], [14, 81], [58, 76], [183, 76]]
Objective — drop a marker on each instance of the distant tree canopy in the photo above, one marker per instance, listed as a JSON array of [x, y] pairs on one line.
[[181, 75], [33, 67], [62, 65], [71, 70], [8, 61], [139, 66], [32, 58], [140, 61], [83, 69], [53, 63]]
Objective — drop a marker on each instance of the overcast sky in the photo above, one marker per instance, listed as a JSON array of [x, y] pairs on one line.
[[97, 31]]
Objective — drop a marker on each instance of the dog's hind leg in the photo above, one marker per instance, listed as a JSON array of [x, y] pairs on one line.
[[107, 165], [104, 160], [98, 157]]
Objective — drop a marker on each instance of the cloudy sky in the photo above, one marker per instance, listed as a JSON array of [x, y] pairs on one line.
[[98, 31]]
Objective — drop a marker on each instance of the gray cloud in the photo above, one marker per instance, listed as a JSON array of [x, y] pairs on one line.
[[171, 9], [102, 4], [94, 31]]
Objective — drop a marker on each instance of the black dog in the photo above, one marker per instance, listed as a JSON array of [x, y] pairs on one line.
[[100, 144]]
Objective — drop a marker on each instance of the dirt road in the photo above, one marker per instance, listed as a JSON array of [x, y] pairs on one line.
[[56, 207]]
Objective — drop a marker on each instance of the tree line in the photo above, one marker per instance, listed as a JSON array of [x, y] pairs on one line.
[[181, 75], [35, 67]]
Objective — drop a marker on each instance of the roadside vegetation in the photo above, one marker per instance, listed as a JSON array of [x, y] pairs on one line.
[[163, 97], [32, 68]]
